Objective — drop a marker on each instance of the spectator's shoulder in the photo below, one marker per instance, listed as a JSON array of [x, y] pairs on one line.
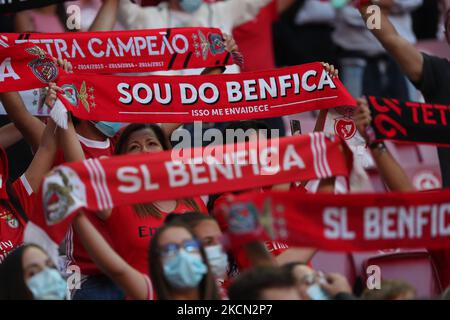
[[344, 296], [434, 60]]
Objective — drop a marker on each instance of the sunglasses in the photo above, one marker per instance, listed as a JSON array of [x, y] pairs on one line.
[[171, 249]]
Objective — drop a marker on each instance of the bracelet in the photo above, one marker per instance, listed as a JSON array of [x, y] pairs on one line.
[[378, 146]]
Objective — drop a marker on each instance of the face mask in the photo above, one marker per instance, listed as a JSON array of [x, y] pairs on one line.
[[218, 260], [185, 270], [190, 5], [109, 129], [315, 292], [47, 285]]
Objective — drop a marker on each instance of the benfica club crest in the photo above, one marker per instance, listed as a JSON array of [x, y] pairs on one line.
[[345, 127], [71, 94], [13, 223], [61, 192], [84, 95], [44, 68], [10, 220], [205, 44], [216, 44], [243, 217]]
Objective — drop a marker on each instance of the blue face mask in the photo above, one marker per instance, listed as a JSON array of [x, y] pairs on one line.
[[184, 270], [190, 6], [218, 260], [47, 285], [109, 129]]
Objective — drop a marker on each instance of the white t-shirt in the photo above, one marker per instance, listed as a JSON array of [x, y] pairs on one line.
[[225, 15]]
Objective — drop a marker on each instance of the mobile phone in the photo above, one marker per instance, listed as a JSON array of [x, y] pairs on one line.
[[296, 127], [315, 292]]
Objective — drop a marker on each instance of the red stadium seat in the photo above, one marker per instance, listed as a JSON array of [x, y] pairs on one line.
[[413, 266], [330, 262]]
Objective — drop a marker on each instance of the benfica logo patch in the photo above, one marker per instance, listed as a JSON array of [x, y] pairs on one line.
[[58, 199], [216, 44], [243, 217], [71, 94], [13, 223], [345, 127], [44, 68]]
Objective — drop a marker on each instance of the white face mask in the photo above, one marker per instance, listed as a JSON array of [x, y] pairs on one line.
[[218, 260], [47, 285]]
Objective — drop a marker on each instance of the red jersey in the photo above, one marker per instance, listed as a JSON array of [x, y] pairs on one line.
[[132, 233], [76, 254], [255, 39], [12, 225], [91, 149]]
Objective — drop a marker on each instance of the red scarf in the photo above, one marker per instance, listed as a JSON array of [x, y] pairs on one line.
[[213, 98], [99, 184], [26, 67], [354, 222], [131, 50]]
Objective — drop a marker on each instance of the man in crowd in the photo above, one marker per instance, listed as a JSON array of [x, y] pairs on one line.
[[431, 75]]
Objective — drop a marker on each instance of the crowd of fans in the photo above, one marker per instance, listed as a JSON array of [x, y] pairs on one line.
[[180, 252]]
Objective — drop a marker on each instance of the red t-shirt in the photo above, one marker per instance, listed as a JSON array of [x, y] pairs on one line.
[[12, 225], [131, 233], [255, 39], [76, 254], [91, 149]]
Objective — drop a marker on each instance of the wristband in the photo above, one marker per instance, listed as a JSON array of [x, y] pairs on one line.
[[378, 146]]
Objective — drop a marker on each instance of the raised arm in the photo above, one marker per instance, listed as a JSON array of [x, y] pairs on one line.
[[391, 172], [29, 126], [9, 135], [283, 5], [129, 279], [44, 158], [106, 16], [406, 55]]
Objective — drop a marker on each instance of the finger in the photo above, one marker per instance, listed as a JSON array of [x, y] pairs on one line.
[[58, 89]]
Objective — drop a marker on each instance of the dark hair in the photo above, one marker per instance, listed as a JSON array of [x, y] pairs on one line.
[[130, 129], [12, 280], [446, 17], [163, 290], [145, 209], [289, 267], [248, 125], [62, 16], [239, 125], [13, 202], [191, 219], [250, 284], [390, 290]]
